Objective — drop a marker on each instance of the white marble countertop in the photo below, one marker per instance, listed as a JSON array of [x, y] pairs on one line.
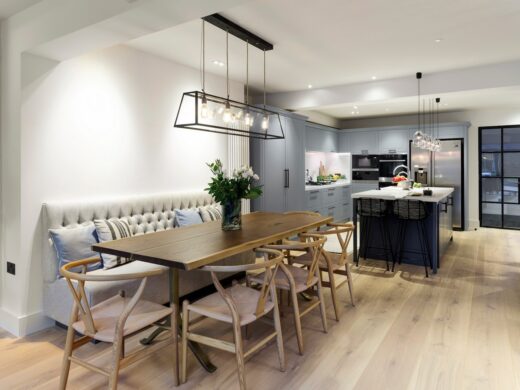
[[394, 193], [339, 183]]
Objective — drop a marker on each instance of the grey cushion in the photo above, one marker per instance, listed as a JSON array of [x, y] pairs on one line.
[[74, 244], [210, 213], [109, 230], [187, 217]]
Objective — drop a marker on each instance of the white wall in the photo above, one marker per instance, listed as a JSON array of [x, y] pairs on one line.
[[477, 118], [102, 125]]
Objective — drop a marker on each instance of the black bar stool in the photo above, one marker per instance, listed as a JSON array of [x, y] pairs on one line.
[[407, 212], [374, 212]]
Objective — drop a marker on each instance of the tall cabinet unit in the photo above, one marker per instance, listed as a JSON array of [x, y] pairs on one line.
[[281, 167], [319, 138]]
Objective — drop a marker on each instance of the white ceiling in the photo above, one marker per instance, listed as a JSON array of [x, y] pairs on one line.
[[457, 101], [333, 42], [11, 7]]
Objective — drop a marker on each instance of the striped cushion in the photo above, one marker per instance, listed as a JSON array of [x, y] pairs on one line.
[[210, 213], [108, 230]]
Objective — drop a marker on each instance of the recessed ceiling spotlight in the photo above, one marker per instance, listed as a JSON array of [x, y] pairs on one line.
[[309, 86], [355, 107], [352, 112], [374, 77], [218, 63], [438, 40]]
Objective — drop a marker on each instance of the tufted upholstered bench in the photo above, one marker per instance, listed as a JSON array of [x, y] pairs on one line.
[[146, 215]]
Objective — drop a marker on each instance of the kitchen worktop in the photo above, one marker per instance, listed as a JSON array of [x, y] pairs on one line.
[[394, 193], [339, 183]]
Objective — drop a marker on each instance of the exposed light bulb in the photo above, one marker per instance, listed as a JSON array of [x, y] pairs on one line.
[[248, 119], [265, 122], [204, 113], [226, 117]]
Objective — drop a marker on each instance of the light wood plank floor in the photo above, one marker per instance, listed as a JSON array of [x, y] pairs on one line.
[[459, 329]]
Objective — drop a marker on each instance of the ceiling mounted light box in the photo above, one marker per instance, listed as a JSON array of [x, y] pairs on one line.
[[202, 111]]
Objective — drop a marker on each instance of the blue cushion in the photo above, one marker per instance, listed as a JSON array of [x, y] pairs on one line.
[[187, 217], [74, 244]]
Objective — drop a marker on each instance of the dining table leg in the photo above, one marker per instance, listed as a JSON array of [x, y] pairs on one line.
[[195, 348], [354, 220]]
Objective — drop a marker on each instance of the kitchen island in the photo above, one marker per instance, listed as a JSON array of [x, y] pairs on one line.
[[438, 226]]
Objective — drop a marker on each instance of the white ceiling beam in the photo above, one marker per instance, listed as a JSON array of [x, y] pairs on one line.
[[63, 29], [481, 77]]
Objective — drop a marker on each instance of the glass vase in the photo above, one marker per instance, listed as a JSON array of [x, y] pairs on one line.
[[232, 215]]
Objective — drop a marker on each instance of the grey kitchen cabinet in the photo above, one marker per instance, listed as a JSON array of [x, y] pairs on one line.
[[295, 163], [453, 131], [313, 200], [331, 196], [281, 167], [363, 142], [343, 142], [321, 139], [333, 201], [393, 141]]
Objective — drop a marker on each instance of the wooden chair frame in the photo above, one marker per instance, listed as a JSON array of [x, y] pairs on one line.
[[81, 311], [272, 260], [314, 244], [338, 229]]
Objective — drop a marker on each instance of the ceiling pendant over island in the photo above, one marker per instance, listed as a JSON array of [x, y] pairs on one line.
[[423, 138], [202, 111]]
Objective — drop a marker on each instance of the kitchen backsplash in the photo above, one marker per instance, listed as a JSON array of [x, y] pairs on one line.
[[333, 162]]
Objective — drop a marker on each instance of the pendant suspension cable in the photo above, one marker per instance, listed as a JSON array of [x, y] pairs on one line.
[[203, 56], [247, 72], [264, 79], [227, 63], [418, 75]]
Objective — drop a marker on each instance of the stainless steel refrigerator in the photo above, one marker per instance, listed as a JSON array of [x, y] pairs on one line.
[[442, 169]]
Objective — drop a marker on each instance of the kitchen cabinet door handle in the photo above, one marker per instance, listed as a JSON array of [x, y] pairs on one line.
[[445, 207], [286, 172], [450, 201]]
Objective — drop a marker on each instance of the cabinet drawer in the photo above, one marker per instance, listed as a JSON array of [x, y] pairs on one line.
[[331, 195], [313, 200], [331, 211], [347, 211], [346, 193]]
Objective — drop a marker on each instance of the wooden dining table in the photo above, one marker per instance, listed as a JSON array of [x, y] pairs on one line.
[[191, 247]]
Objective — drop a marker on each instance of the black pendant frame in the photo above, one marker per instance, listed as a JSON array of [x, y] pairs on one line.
[[202, 124]]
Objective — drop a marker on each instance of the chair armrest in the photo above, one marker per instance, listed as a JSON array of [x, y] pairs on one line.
[[65, 272]]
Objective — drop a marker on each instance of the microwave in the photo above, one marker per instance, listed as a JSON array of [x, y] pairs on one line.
[[365, 161]]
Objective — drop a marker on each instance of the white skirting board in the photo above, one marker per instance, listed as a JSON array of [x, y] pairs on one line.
[[473, 224], [20, 326]]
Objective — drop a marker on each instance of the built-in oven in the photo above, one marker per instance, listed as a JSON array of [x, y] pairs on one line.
[[387, 165], [365, 161]]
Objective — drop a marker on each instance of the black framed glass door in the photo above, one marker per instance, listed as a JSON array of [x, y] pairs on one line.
[[499, 181]]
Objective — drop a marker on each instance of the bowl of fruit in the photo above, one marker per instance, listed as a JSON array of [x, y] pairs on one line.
[[402, 182]]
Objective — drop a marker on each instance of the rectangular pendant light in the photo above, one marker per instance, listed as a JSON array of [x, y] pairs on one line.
[[205, 112]]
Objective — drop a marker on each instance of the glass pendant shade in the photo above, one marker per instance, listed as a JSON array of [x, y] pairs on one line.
[[265, 122], [226, 116], [204, 112]]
